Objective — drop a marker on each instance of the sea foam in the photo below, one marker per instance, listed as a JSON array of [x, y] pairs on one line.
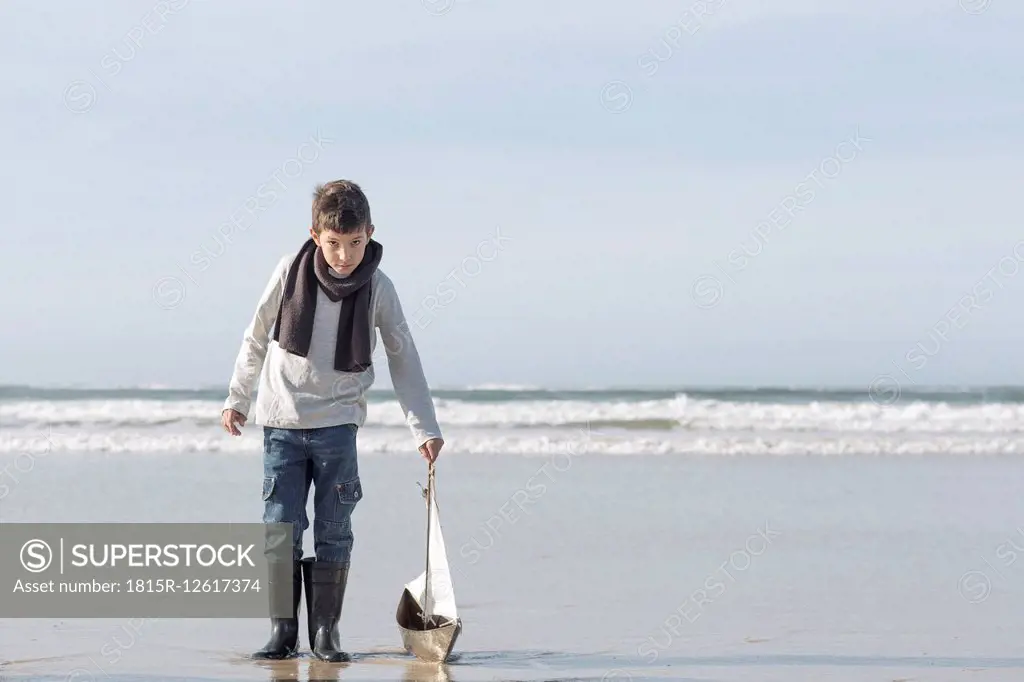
[[670, 425]]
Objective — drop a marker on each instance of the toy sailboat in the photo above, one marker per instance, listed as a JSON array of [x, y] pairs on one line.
[[428, 619]]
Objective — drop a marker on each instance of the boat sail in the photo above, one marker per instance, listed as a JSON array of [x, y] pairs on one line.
[[427, 616]]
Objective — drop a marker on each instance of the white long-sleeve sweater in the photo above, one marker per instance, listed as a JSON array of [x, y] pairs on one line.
[[306, 393]]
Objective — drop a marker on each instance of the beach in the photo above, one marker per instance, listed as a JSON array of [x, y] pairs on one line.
[[586, 565], [711, 303]]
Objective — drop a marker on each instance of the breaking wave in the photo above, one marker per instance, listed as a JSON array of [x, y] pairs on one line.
[[531, 421]]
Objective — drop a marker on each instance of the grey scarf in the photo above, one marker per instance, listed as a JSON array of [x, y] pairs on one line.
[[309, 272]]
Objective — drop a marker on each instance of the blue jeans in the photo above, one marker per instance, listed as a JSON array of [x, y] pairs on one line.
[[325, 457]]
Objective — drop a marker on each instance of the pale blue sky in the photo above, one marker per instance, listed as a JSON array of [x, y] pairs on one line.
[[490, 117]]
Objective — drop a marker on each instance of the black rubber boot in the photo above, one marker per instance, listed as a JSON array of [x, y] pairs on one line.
[[284, 632], [325, 594], [307, 584]]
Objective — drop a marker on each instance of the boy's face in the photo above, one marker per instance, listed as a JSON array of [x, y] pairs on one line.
[[343, 252]]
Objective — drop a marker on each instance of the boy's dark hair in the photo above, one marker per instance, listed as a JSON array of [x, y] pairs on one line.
[[340, 206]]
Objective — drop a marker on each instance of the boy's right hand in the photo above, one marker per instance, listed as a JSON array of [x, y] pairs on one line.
[[229, 418]]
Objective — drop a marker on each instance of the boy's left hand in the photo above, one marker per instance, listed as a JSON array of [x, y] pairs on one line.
[[431, 449]]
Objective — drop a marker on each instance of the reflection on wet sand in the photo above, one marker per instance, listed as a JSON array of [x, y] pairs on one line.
[[316, 670], [416, 671], [320, 671], [279, 671]]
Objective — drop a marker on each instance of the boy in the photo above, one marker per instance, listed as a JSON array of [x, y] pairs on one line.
[[314, 331]]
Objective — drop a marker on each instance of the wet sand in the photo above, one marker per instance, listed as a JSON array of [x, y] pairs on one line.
[[593, 567]]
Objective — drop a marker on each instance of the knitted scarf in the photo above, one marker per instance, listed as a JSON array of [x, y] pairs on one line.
[[308, 273]]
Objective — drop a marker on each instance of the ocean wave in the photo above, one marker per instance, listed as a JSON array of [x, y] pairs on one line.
[[960, 395], [510, 414], [678, 413], [25, 448]]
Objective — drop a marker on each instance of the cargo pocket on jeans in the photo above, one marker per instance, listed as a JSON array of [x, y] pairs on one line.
[[350, 492], [268, 487]]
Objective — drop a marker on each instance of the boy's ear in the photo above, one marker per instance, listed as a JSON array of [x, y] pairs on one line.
[[312, 233], [369, 231]]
